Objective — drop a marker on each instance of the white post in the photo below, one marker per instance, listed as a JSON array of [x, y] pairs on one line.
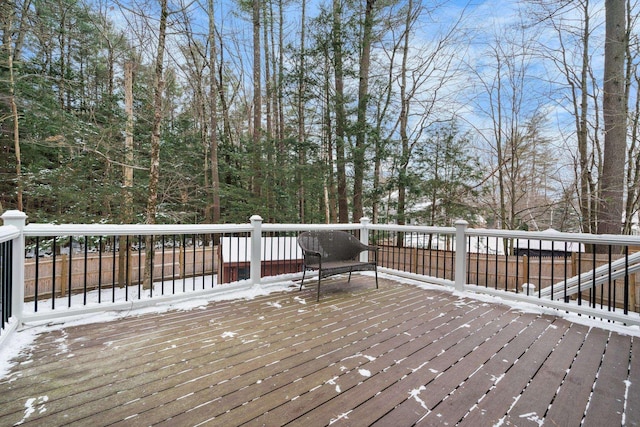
[[364, 237], [461, 254], [256, 250], [18, 220]]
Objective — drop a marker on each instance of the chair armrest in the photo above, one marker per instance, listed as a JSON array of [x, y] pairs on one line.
[[311, 253]]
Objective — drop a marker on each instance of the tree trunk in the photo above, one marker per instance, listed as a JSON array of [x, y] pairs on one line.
[[615, 119], [363, 98], [8, 14], [404, 121], [127, 169], [257, 102], [127, 185], [213, 127], [301, 122], [154, 169], [585, 176], [336, 40]]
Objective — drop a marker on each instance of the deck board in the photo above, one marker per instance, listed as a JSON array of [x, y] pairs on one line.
[[573, 394], [399, 355]]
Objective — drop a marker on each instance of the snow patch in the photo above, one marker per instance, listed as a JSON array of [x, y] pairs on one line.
[[497, 379], [33, 405], [364, 372], [627, 384], [533, 417], [228, 334], [274, 304], [343, 416], [415, 395]]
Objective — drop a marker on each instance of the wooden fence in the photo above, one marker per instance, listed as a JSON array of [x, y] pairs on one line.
[[76, 273]]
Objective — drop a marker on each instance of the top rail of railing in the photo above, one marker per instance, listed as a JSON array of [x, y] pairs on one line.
[[310, 227], [48, 230], [412, 228], [45, 230], [8, 232], [557, 236]]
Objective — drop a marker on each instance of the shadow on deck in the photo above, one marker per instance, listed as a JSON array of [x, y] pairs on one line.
[[397, 356]]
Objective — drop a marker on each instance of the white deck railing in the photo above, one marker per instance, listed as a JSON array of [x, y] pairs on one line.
[[465, 260]]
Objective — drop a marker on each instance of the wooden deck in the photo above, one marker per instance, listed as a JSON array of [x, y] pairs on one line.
[[397, 356]]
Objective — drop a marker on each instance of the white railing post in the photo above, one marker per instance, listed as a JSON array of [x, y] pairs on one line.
[[18, 220], [461, 254], [256, 250], [364, 237]]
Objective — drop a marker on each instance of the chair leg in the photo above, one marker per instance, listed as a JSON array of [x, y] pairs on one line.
[[319, 276], [304, 271], [376, 270], [349, 280]]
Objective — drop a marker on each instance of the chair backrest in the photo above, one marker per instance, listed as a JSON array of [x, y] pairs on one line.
[[333, 245]]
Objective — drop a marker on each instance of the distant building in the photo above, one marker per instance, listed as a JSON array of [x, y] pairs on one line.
[[546, 248]]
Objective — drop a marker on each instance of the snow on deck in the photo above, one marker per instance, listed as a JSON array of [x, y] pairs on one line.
[[395, 356]]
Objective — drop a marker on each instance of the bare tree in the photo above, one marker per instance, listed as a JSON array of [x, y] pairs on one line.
[[615, 119], [632, 203], [301, 93], [154, 169], [257, 100], [510, 102], [213, 127], [363, 100], [7, 13], [424, 72], [341, 116]]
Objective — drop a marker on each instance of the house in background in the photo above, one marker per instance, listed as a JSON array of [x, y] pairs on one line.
[[547, 248], [280, 255]]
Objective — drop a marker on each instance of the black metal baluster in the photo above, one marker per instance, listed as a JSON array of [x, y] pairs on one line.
[[539, 268], [152, 252], [214, 239], [486, 264], [127, 271], [36, 284], [626, 280], [162, 268], [437, 254], [528, 265], [53, 281], [86, 266], [184, 263], [113, 268], [610, 273], [478, 260], [173, 267], [100, 269], [193, 270], [579, 271], [140, 276], [204, 259], [506, 269], [517, 255], [70, 269], [497, 251], [592, 294]]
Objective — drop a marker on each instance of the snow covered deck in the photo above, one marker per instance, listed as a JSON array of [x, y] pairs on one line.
[[395, 356]]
